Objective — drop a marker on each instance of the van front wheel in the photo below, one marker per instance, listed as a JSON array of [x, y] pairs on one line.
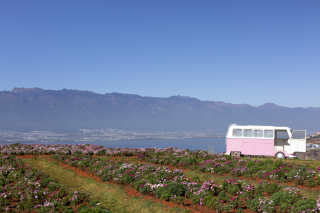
[[280, 155], [235, 154]]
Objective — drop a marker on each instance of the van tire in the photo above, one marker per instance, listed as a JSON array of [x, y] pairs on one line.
[[280, 155], [235, 154]]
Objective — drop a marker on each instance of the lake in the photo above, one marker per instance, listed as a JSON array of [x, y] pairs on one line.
[[218, 144]]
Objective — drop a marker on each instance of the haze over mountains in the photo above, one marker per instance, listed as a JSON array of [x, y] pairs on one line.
[[24, 109]]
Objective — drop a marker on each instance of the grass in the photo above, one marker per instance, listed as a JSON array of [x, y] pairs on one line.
[[132, 160], [112, 197], [207, 176]]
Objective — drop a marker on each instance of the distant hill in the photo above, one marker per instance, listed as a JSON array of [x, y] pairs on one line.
[[25, 109]]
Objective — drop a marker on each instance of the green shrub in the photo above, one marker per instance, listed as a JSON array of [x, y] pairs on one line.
[[195, 200], [189, 194], [254, 204], [278, 197], [259, 189], [311, 183], [223, 196], [277, 164], [233, 189], [228, 208], [210, 201], [144, 189], [271, 188], [299, 181], [137, 185], [177, 189], [285, 207], [169, 191], [283, 180], [250, 163], [178, 199], [127, 179], [106, 177], [304, 205], [240, 210]]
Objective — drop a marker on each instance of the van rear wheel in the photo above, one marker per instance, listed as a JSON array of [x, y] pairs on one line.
[[280, 155], [235, 154]]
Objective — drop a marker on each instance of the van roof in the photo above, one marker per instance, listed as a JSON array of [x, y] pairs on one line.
[[257, 126]]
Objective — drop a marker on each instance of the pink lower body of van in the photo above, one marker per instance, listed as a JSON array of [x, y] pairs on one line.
[[252, 146]]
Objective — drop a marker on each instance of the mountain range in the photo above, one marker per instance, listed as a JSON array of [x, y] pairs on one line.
[[35, 109]]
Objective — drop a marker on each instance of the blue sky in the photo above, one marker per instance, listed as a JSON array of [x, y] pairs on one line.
[[233, 51]]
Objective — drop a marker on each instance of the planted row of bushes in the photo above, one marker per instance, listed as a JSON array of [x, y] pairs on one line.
[[247, 167], [85, 149], [25, 189], [172, 185], [195, 160]]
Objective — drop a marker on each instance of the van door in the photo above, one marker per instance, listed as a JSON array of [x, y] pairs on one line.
[[298, 141], [281, 141]]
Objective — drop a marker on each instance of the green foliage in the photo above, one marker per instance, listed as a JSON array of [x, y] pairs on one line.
[[254, 204], [127, 179], [144, 189], [169, 191], [304, 205], [137, 185], [250, 163], [239, 210], [210, 201], [233, 189], [178, 199], [106, 177], [223, 196], [299, 181], [271, 188], [259, 189], [196, 179], [279, 197], [228, 208], [277, 164], [311, 183]]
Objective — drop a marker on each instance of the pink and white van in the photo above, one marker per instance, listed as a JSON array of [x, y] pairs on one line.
[[280, 142]]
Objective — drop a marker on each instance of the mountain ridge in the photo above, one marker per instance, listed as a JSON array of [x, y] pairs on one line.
[[32, 109]]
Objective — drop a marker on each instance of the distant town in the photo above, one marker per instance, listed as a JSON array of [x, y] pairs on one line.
[[102, 135]]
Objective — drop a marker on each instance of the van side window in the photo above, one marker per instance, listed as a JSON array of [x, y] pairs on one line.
[[282, 134], [237, 132], [258, 133], [247, 133], [268, 133]]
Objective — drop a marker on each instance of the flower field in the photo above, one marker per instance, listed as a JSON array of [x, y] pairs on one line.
[[271, 194], [24, 189]]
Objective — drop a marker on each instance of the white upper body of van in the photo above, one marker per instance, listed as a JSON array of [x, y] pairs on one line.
[[255, 127]]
